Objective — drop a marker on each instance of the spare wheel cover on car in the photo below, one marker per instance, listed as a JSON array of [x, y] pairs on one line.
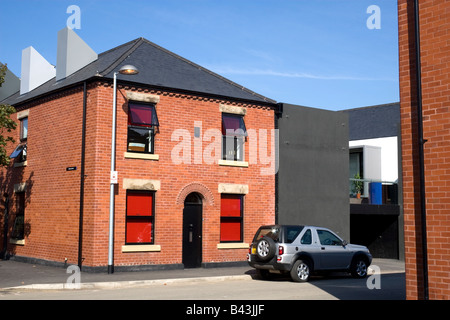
[[265, 248]]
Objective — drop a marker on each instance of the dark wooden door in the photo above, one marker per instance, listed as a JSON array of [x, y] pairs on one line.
[[192, 235]]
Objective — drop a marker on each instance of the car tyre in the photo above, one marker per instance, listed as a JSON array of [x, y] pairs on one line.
[[300, 271], [265, 248], [359, 268]]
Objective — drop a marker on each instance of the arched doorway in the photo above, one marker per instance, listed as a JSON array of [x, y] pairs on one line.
[[192, 231]]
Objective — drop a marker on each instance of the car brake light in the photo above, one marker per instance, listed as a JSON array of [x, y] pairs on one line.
[[280, 250]]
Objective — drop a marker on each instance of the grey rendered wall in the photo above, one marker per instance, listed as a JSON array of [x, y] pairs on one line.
[[312, 180], [10, 86]]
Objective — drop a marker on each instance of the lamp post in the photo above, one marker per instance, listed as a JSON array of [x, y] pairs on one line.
[[129, 70]]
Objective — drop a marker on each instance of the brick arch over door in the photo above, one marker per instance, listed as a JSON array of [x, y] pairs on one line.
[[207, 196]]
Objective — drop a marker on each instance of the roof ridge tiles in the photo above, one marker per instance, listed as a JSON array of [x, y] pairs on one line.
[[112, 66]]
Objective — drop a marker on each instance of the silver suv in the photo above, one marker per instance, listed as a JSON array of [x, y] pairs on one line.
[[301, 250]]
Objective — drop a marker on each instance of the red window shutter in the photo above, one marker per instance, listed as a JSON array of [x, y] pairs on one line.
[[139, 221], [139, 203], [231, 218], [233, 125], [230, 206], [139, 231], [230, 231], [142, 115]]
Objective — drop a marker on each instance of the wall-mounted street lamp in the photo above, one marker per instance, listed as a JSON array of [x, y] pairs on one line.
[[126, 70]]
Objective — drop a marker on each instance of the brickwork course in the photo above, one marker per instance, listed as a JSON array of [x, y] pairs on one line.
[[434, 22]]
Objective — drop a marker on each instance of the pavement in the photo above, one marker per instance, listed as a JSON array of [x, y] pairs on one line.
[[28, 276]]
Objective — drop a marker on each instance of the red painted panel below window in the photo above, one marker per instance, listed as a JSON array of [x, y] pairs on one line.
[[139, 231], [230, 231]]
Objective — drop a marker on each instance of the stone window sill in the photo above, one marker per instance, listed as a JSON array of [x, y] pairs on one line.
[[233, 245], [144, 156], [19, 242], [243, 164], [142, 248], [20, 164]]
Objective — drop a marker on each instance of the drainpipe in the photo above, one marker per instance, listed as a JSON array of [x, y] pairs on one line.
[[421, 143], [83, 154]]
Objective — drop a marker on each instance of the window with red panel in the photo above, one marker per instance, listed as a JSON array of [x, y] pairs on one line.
[[233, 137], [140, 217], [231, 218], [142, 121]]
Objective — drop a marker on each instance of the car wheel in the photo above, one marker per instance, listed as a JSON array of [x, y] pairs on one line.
[[359, 268], [265, 248], [300, 271]]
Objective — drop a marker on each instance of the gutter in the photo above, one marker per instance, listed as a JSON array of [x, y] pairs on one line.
[[421, 143], [98, 77]]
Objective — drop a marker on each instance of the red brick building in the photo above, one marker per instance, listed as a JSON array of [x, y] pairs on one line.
[[192, 182], [427, 209]]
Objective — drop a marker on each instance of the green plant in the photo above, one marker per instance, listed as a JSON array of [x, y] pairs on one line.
[[7, 125], [357, 184]]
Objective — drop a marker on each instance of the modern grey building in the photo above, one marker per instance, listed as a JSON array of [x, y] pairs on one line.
[[312, 180], [376, 220], [320, 152]]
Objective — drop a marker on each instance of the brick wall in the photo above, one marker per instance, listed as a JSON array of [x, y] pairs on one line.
[[435, 61], [179, 111], [53, 196], [51, 192]]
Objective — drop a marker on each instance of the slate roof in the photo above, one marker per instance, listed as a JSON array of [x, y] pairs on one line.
[[374, 122], [157, 66]]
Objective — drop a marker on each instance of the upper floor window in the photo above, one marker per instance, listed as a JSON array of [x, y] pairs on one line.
[[233, 137], [23, 128], [20, 153], [142, 121]]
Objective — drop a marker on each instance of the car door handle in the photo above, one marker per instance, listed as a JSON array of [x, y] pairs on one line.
[[322, 248]]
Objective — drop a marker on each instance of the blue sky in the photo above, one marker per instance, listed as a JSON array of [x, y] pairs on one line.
[[316, 53]]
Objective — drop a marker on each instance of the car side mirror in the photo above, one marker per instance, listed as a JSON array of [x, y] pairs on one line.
[[344, 243]]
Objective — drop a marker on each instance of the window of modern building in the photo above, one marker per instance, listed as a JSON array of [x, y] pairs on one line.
[[231, 218], [142, 121], [140, 217]]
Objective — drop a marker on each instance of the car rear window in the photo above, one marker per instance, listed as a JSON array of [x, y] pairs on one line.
[[271, 232], [290, 233]]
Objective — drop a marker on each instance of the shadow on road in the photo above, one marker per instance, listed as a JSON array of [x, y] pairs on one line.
[[386, 286]]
